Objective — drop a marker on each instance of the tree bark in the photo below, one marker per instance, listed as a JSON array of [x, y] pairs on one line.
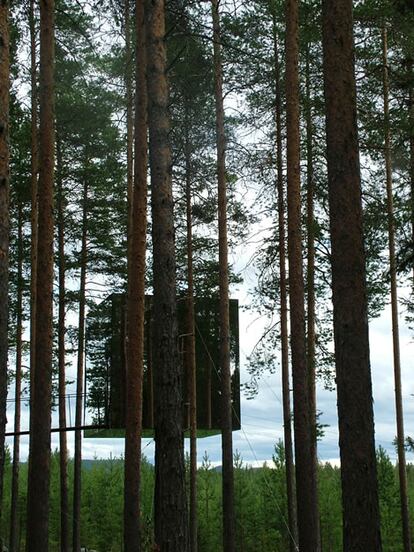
[[171, 534], [129, 119], [284, 337], [39, 473], [34, 190], [14, 506], [353, 375], [190, 345], [77, 477], [229, 538], [411, 119], [306, 484], [4, 222], [310, 276], [402, 470], [136, 299], [63, 451], [34, 205]]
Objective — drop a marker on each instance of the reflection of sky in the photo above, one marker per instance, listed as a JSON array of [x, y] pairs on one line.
[[262, 416]]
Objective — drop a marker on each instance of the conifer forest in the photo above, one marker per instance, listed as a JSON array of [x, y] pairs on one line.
[[199, 199]]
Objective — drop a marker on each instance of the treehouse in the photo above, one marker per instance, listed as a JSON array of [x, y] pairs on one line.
[[106, 367]]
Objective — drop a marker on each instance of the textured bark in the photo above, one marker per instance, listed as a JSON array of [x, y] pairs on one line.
[[353, 375], [310, 278], [63, 450], [136, 300], [306, 485], [170, 507], [284, 337], [14, 507], [34, 191], [190, 348], [229, 539], [402, 470], [34, 204], [129, 119], [4, 223], [39, 473], [77, 462]]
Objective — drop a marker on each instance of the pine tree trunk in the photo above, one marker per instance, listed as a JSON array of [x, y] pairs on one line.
[[170, 508], [63, 451], [34, 205], [353, 375], [306, 485], [14, 506], [129, 119], [77, 477], [402, 470], [136, 300], [4, 223], [411, 119], [190, 346], [33, 186], [229, 541], [39, 473], [310, 277], [284, 337]]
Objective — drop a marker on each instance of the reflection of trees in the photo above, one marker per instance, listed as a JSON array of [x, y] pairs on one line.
[[106, 363]]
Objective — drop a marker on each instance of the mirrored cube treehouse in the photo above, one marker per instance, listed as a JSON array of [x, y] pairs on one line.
[[106, 368]]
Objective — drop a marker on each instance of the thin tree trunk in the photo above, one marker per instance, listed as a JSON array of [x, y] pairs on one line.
[[14, 507], [411, 119], [310, 277], [34, 191], [4, 224], [34, 205], [150, 373], [229, 538], [63, 451], [190, 346], [353, 375], [284, 337], [171, 534], [306, 485], [209, 392], [34, 212], [129, 119], [402, 470], [77, 477], [136, 300], [39, 473]]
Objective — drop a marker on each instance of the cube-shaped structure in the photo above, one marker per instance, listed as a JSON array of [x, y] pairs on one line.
[[106, 366]]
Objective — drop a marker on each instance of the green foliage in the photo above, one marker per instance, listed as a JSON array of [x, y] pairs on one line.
[[261, 504]]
